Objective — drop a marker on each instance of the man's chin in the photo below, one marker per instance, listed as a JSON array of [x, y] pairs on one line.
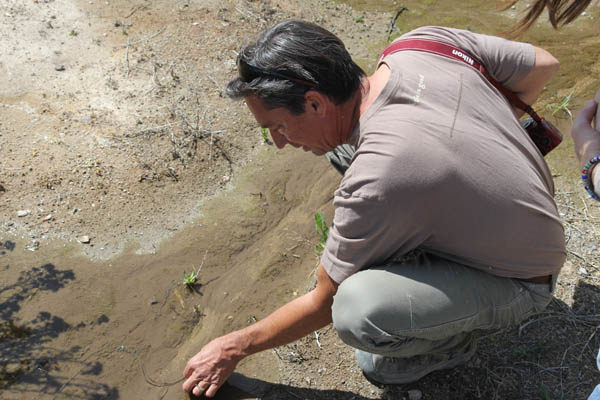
[[316, 152]]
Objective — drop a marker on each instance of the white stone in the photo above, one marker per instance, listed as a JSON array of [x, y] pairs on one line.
[[84, 239]]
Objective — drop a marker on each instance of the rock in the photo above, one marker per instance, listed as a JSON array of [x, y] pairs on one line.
[[47, 218], [33, 246], [415, 394], [84, 239], [59, 67], [23, 213]]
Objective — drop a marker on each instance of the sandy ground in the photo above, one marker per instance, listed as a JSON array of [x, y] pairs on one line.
[[122, 168]]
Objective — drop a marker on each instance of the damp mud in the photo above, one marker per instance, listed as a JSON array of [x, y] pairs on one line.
[[123, 168], [101, 321]]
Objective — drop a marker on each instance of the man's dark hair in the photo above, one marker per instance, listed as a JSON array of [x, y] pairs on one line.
[[302, 51]]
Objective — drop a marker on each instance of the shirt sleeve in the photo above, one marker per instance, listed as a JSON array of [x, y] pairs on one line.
[[371, 230]]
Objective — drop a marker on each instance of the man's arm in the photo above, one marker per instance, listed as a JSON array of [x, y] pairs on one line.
[[529, 88], [216, 361]]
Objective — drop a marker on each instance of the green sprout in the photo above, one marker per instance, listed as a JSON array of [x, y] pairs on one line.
[[189, 280], [562, 105], [74, 32], [264, 134], [322, 229], [360, 19]]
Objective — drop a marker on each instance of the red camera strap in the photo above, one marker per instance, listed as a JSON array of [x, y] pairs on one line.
[[446, 50]]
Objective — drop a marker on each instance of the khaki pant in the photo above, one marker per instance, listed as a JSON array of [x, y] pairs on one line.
[[428, 304]]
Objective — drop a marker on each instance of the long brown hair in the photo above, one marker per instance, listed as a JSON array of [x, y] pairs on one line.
[[560, 12]]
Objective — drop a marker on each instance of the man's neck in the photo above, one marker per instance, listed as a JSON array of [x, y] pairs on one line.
[[373, 86], [348, 115], [351, 111]]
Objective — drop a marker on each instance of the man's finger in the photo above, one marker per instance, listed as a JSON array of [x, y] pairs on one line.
[[200, 388], [189, 383], [187, 371], [212, 390]]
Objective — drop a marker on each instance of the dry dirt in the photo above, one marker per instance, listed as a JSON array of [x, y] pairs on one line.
[[112, 126]]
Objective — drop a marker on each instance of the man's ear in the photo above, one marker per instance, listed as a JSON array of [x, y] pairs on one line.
[[316, 102]]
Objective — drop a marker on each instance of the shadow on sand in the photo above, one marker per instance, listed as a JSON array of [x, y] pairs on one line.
[[28, 363]]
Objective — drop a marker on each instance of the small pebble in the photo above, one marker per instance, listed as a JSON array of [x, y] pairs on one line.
[[59, 67], [33, 246], [415, 394], [84, 239], [23, 213]]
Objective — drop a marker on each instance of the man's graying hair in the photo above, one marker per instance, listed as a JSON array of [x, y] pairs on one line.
[[302, 50]]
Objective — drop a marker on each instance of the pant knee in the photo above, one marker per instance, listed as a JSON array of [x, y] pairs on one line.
[[351, 312]]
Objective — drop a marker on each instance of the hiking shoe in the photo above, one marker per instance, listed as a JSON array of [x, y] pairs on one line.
[[383, 370]]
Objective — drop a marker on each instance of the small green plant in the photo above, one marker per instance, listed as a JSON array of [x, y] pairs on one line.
[[360, 19], [264, 134], [74, 32], [189, 280], [322, 229], [562, 105]]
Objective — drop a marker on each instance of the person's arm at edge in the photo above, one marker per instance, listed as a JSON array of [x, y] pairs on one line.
[[529, 88], [586, 139], [292, 321]]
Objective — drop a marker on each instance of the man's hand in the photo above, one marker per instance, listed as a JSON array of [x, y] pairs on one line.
[[211, 367], [585, 138]]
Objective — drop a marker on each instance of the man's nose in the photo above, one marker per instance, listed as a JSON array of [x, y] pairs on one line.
[[279, 140]]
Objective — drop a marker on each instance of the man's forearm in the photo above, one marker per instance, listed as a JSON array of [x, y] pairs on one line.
[[290, 322]]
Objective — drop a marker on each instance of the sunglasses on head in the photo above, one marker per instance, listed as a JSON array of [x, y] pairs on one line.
[[249, 72]]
